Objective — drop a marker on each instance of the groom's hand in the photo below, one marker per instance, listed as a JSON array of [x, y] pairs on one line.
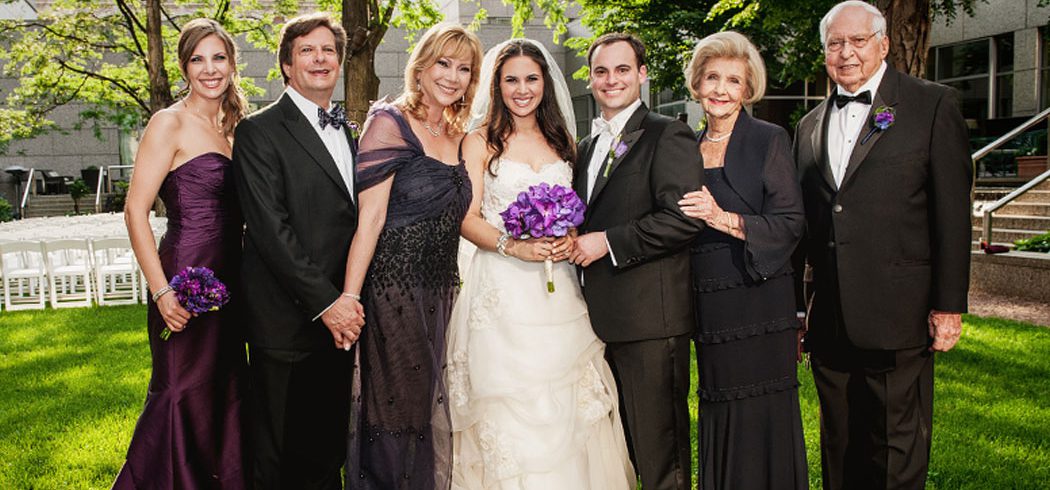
[[589, 247], [344, 320]]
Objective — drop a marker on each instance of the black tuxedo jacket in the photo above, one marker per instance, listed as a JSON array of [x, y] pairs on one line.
[[893, 242], [647, 294], [300, 220]]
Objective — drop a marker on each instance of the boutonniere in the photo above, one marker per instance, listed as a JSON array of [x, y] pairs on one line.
[[617, 150], [881, 120], [354, 129]]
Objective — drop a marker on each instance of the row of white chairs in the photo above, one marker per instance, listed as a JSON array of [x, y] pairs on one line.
[[70, 273]]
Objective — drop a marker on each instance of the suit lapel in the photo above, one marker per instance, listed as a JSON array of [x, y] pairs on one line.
[[583, 162], [632, 131], [819, 141], [299, 127], [886, 96], [353, 159]]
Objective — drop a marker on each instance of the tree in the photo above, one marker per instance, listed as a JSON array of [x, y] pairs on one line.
[[77, 190]]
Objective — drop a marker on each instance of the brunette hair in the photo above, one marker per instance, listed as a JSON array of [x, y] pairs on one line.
[[732, 45], [303, 25], [443, 39], [614, 37], [234, 106], [499, 123]]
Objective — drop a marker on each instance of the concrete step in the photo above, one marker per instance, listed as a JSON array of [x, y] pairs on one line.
[[1025, 209], [58, 205], [1034, 195], [1016, 222], [991, 193], [1000, 235]]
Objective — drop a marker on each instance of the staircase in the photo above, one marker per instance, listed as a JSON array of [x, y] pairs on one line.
[[58, 205], [1025, 217]]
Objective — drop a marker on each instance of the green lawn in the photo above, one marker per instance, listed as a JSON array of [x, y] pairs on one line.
[[72, 383]]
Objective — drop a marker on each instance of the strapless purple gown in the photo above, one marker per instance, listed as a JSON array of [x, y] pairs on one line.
[[189, 434]]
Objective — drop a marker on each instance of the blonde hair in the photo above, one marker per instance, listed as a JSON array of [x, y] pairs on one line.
[[234, 106], [444, 39], [733, 45]]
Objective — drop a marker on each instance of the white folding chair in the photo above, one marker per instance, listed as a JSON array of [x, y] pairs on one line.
[[24, 275], [69, 272], [116, 272]]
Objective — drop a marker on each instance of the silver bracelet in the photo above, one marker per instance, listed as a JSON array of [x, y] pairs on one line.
[[501, 244], [352, 295], [161, 292]]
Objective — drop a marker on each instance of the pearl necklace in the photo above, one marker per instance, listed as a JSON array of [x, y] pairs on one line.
[[708, 137]]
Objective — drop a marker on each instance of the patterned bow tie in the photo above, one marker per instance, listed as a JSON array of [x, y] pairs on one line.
[[863, 97], [336, 118], [599, 126]]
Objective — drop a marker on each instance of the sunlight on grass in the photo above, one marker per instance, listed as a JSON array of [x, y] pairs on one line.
[[73, 383]]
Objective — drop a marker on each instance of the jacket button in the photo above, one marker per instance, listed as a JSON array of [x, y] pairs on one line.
[[831, 244], [837, 208]]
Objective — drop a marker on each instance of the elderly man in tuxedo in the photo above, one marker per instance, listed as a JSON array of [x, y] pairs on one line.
[[885, 171], [293, 162]]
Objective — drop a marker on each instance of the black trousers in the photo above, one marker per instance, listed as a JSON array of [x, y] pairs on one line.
[[300, 411], [876, 416], [652, 377]]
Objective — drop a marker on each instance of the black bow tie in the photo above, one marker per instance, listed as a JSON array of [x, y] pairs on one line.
[[336, 118], [863, 97]]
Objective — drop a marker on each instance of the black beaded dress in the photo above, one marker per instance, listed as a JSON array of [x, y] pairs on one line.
[[750, 422], [400, 435]]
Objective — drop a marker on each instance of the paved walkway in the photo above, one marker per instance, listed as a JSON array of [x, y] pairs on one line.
[[105, 225], [984, 304]]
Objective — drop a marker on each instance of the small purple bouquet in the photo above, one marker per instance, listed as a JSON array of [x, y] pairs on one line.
[[544, 211], [198, 291]]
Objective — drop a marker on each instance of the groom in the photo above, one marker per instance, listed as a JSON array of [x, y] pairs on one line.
[[293, 164], [634, 167]]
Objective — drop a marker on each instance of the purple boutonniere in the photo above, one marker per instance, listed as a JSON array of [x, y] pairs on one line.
[[616, 151], [881, 120], [354, 128]]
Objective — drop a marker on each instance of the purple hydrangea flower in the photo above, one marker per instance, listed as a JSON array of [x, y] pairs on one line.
[[198, 291], [620, 149], [884, 117], [544, 211]]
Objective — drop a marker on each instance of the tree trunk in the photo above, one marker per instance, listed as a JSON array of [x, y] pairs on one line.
[[159, 86], [360, 83], [908, 23]]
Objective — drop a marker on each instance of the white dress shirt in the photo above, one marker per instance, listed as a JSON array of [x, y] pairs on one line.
[[604, 132], [334, 139], [845, 125]]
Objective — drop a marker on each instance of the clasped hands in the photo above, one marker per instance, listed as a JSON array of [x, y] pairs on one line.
[[543, 248], [344, 320], [700, 204]]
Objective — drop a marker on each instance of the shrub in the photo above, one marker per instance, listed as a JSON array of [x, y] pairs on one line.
[[6, 210], [1039, 243]]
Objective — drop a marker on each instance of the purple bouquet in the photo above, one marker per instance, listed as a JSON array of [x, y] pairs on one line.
[[199, 291], [544, 211]]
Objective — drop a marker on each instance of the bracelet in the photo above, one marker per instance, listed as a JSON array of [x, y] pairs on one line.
[[161, 292], [352, 295], [501, 244]]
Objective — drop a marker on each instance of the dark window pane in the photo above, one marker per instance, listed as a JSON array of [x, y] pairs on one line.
[[1044, 88], [784, 113], [1004, 52], [931, 64], [962, 59], [796, 88], [1004, 96], [819, 86], [973, 96]]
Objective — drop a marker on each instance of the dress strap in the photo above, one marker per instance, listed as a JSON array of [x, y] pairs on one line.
[[459, 152]]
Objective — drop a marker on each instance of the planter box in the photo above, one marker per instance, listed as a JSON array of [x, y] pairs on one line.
[[1029, 167]]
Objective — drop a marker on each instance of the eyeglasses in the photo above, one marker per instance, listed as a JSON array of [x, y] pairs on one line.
[[858, 42]]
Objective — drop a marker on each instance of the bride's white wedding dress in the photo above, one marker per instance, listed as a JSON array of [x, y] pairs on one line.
[[533, 402]]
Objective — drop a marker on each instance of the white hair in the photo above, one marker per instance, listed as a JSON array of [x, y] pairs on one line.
[[878, 22]]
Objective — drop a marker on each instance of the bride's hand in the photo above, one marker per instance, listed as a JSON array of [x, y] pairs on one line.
[[563, 247], [531, 250]]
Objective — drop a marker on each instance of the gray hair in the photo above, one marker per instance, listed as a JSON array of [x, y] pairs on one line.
[[732, 45], [878, 22]]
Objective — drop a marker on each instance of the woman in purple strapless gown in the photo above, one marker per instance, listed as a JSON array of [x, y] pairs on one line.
[[189, 434]]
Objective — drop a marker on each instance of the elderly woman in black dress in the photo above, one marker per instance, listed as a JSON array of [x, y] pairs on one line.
[[750, 423]]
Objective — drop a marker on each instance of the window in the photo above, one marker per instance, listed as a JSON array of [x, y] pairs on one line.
[[583, 108], [982, 72], [785, 106], [671, 102]]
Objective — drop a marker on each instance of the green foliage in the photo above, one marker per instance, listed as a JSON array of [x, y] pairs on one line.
[[6, 211], [77, 190], [1039, 243]]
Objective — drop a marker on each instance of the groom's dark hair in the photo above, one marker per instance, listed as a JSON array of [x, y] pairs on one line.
[[614, 37]]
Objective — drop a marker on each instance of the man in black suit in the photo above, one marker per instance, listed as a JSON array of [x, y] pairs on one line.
[[633, 169], [294, 169], [886, 173]]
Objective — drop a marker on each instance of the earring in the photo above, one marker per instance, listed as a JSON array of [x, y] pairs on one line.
[[418, 86]]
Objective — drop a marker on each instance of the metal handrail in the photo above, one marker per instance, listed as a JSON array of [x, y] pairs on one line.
[[25, 194], [108, 170], [986, 223]]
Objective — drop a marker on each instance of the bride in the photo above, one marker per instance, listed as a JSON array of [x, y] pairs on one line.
[[533, 402]]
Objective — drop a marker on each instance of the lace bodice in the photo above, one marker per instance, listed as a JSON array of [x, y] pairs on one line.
[[513, 178]]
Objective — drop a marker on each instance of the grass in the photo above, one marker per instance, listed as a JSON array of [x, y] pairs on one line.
[[72, 383]]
